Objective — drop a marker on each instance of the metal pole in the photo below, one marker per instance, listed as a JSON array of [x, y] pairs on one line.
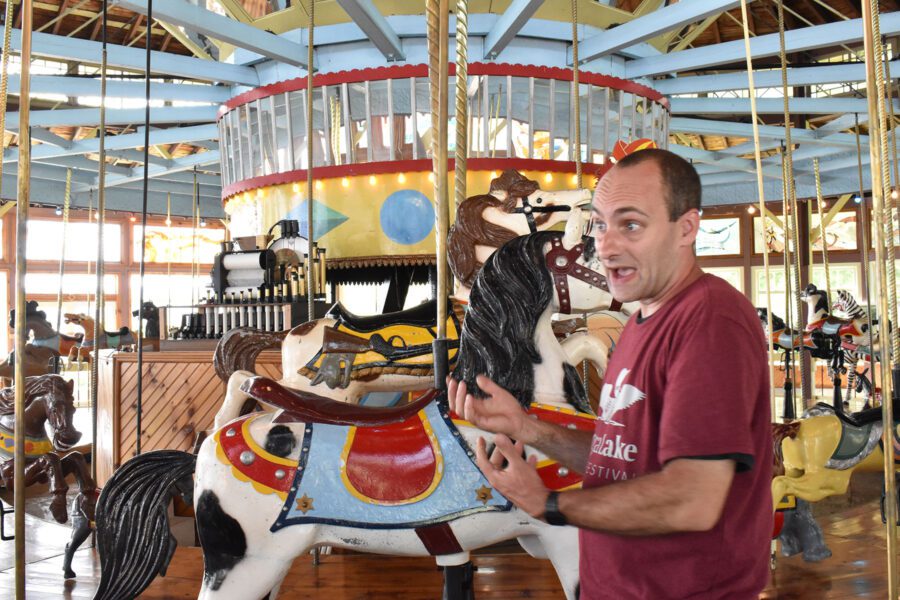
[[761, 194], [24, 189], [310, 253], [462, 99], [871, 37], [819, 202], [576, 110], [864, 222]]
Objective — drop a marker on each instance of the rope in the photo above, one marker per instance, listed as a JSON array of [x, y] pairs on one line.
[[791, 201], [139, 409], [576, 100], [760, 192], [310, 254], [819, 202], [462, 99], [62, 249]]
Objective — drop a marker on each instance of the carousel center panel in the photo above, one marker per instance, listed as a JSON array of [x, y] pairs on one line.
[[180, 396]]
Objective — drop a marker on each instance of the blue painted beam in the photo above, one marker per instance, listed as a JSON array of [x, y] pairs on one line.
[[172, 135], [48, 137], [647, 27], [713, 158], [86, 86], [698, 84], [242, 35], [508, 26], [86, 117], [138, 156], [84, 164], [375, 26], [796, 40], [731, 106], [766, 132], [179, 164], [66, 48]]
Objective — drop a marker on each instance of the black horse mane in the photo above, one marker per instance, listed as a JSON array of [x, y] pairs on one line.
[[35, 387], [509, 296]]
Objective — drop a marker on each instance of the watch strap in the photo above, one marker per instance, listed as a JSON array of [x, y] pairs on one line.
[[551, 510]]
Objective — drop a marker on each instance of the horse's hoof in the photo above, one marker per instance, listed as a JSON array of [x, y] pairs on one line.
[[69, 574], [58, 508]]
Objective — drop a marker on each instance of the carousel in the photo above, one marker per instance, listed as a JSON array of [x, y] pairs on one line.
[[272, 438]]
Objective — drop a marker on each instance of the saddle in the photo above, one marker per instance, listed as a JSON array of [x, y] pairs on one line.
[[424, 315], [311, 408]]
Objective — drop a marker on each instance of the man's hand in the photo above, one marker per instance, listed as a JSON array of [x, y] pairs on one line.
[[519, 481], [499, 412]]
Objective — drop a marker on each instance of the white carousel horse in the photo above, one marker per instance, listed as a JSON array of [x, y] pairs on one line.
[[270, 487]]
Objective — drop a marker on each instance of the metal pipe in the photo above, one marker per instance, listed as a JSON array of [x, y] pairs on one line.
[[760, 192], [819, 202], [311, 301], [24, 185], [576, 102], [871, 37], [864, 222], [462, 99]]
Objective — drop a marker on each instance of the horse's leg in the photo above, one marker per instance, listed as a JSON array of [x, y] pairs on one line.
[[234, 399], [556, 543], [49, 466], [81, 529], [75, 464]]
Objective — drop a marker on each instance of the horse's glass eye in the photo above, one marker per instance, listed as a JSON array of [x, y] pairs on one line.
[[539, 200]]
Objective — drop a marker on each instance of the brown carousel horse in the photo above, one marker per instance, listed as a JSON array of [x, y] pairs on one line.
[[48, 401], [120, 340]]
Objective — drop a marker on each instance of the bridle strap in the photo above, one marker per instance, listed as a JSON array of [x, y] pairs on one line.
[[563, 264], [528, 210]]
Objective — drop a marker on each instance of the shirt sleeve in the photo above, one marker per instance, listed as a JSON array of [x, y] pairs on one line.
[[713, 382]]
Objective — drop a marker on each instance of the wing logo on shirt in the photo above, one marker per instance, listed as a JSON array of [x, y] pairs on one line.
[[618, 397]]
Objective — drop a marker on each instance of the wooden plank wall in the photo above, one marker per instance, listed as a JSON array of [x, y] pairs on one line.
[[180, 397]]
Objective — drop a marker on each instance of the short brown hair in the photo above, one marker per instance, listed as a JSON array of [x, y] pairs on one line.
[[678, 177]]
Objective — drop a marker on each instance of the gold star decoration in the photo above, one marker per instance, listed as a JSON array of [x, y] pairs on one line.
[[483, 494], [305, 504]]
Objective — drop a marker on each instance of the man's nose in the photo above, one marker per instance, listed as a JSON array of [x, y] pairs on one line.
[[607, 244]]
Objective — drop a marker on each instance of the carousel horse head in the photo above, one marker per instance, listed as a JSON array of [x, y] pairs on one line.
[[514, 206], [514, 296], [817, 301], [48, 399], [149, 311], [80, 319], [31, 314], [777, 322]]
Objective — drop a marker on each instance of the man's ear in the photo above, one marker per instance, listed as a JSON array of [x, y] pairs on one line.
[[689, 226]]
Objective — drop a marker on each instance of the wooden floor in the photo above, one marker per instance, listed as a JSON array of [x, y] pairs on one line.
[[857, 570]]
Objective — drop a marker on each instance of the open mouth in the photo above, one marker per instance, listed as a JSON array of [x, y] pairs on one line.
[[621, 275]]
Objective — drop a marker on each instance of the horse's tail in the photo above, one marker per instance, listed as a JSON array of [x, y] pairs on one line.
[[471, 229], [132, 524], [780, 432], [239, 348]]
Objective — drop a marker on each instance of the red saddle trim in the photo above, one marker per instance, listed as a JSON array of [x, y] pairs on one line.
[[403, 471], [268, 473]]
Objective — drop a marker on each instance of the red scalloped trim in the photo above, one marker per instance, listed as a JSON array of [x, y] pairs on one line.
[[421, 70], [392, 167]]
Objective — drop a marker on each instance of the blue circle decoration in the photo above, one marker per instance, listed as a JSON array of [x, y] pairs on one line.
[[407, 217]]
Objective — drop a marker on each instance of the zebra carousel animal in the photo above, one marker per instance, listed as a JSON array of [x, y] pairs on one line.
[[269, 487]]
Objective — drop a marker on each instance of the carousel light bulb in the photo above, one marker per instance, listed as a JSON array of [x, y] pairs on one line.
[[296, 188], [431, 177], [548, 177], [318, 185], [751, 209], [345, 182], [401, 178], [894, 194], [202, 222], [58, 211], [260, 193], [168, 221], [857, 199], [132, 218], [493, 174], [574, 179], [372, 180]]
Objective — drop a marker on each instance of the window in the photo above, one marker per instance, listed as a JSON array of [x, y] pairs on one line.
[[599, 130], [45, 241], [180, 291], [176, 244], [282, 133], [297, 108], [74, 284], [843, 277], [359, 133], [776, 284], [497, 123], [733, 275], [267, 135], [82, 306], [562, 130], [379, 108], [519, 117]]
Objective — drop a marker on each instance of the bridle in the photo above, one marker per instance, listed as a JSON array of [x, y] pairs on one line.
[[528, 210], [563, 264]]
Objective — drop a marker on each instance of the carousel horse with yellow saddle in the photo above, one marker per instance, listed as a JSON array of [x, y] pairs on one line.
[[49, 459], [122, 339], [398, 480]]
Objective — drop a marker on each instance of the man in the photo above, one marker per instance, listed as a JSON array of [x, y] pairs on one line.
[[676, 500]]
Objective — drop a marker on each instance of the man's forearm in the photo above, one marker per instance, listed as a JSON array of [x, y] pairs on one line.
[[569, 447]]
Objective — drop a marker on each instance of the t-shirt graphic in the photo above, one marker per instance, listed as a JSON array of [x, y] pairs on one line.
[[620, 398]]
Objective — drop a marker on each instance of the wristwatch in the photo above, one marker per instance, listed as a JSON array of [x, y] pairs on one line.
[[551, 510]]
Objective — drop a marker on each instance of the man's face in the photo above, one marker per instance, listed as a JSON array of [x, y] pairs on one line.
[[643, 251]]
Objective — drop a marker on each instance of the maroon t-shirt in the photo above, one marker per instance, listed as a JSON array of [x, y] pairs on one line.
[[690, 381]]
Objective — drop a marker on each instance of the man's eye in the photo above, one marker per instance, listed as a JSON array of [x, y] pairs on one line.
[[632, 226], [598, 226]]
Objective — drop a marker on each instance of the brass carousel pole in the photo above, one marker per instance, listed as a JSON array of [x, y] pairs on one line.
[[877, 154], [576, 101], [462, 99], [311, 252], [438, 24], [761, 194], [24, 189]]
